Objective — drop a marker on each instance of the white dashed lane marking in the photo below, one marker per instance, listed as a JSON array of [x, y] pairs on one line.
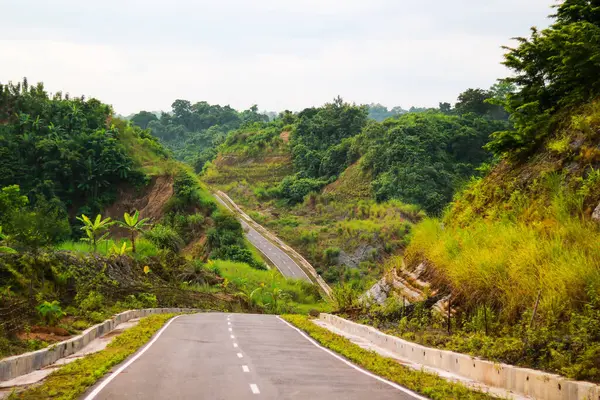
[[245, 368], [233, 337], [240, 355], [235, 345], [254, 388]]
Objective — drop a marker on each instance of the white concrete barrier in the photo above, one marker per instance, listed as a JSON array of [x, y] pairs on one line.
[[523, 381], [12, 367]]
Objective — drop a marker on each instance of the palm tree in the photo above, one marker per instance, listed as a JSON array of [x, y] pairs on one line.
[[94, 229], [133, 224]]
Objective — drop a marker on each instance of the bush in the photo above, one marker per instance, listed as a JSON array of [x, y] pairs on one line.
[[165, 237], [293, 188], [93, 302], [331, 254], [238, 254], [51, 312]]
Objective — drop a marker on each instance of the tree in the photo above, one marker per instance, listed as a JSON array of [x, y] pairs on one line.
[[133, 224], [143, 118], [474, 101], [446, 108], [554, 68], [95, 230]]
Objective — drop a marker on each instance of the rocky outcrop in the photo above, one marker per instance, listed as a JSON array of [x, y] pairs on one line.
[[401, 283], [361, 253], [596, 213]]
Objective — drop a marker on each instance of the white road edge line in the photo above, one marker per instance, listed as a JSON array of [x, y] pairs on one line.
[[392, 384], [128, 363], [254, 388], [245, 368]]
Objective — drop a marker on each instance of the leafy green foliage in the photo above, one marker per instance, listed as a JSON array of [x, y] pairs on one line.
[[380, 113], [165, 237], [226, 241], [134, 225], [555, 68], [51, 312], [95, 230], [76, 149], [4, 249], [143, 119], [318, 136], [31, 227], [421, 158], [270, 289], [193, 131]]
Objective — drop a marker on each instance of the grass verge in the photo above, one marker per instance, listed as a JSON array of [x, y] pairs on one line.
[[70, 381], [427, 384]]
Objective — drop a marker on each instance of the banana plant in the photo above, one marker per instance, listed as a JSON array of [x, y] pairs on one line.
[[95, 230], [120, 251], [5, 249], [133, 224]]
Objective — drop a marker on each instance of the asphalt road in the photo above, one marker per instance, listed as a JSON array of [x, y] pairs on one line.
[[239, 356], [284, 263]]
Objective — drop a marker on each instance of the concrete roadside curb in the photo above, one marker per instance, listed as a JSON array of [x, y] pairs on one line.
[[15, 366], [522, 381]]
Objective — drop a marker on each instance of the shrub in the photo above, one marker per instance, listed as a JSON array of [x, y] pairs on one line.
[[238, 254], [293, 188], [165, 237], [51, 312], [93, 302], [331, 254]]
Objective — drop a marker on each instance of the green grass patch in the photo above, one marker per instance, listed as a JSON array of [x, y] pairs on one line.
[[271, 289], [144, 248], [427, 384], [70, 381]]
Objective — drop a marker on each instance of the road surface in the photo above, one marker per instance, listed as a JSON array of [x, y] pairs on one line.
[[235, 357], [278, 257]]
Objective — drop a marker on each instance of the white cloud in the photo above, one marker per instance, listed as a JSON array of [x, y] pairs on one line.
[[279, 54]]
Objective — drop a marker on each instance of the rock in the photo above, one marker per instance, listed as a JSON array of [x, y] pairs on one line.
[[378, 292], [596, 213], [363, 252]]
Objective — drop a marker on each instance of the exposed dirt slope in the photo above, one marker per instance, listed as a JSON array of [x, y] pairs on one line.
[[150, 202]]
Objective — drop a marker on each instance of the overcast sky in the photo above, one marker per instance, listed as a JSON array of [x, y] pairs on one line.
[[279, 54]]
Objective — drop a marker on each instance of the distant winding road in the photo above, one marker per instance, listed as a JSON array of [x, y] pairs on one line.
[[284, 263], [220, 356]]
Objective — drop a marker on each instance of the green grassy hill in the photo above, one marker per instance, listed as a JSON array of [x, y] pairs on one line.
[[341, 230], [60, 272]]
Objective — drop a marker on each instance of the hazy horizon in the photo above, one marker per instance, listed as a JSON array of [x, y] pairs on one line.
[[142, 55]]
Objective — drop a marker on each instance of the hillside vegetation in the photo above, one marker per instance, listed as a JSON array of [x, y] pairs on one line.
[[508, 177], [345, 190], [517, 251], [193, 131], [96, 217]]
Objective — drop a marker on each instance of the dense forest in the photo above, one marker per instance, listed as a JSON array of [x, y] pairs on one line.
[[193, 131]]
